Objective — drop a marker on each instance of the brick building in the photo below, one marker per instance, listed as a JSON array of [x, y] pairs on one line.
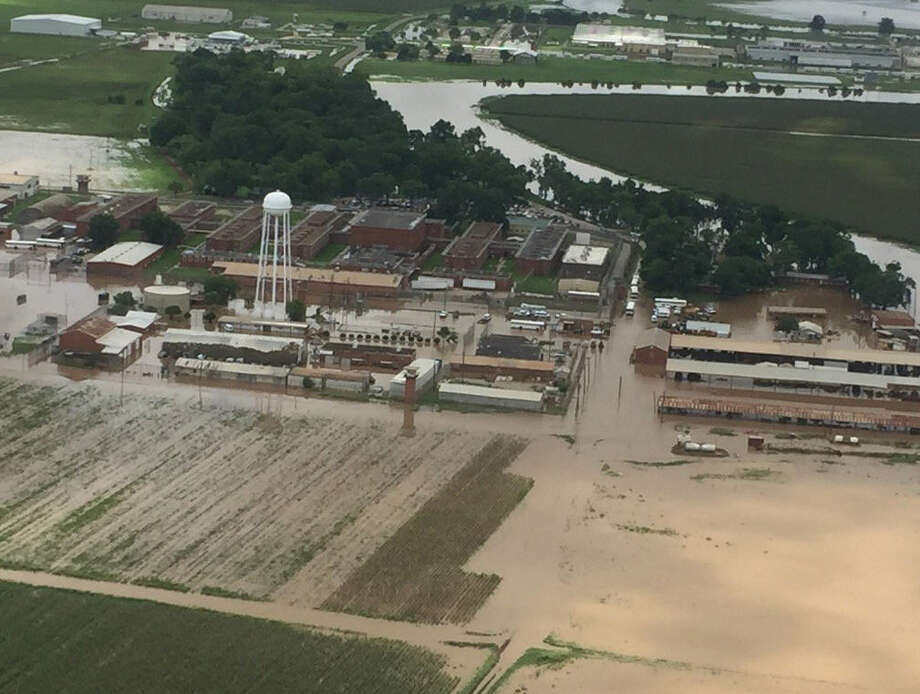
[[127, 260], [399, 230], [126, 209], [541, 253], [102, 339], [348, 355], [191, 213], [239, 234], [470, 251], [585, 262], [476, 366], [317, 230]]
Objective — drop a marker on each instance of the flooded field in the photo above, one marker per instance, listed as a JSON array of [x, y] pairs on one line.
[[159, 491], [905, 13], [56, 159]]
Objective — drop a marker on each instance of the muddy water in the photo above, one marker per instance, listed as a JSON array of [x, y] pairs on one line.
[[905, 13], [56, 158]]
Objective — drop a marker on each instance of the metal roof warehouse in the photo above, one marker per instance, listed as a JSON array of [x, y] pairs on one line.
[[127, 253]]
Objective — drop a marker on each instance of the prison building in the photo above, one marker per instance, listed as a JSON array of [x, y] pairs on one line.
[[541, 252], [481, 396], [470, 250], [55, 25], [232, 374], [508, 346], [319, 282], [23, 186], [307, 378], [126, 209], [191, 213], [354, 355], [399, 230], [585, 262], [238, 234]]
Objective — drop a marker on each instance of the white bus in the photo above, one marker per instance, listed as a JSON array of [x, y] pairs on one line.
[[528, 325], [630, 308]]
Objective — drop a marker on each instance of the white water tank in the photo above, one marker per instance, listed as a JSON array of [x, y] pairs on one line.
[[159, 296]]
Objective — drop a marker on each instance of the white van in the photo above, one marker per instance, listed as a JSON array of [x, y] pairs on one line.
[[634, 291], [630, 308]]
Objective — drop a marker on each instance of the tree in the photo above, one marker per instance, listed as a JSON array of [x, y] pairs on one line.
[[444, 332], [407, 51], [297, 311], [103, 231], [340, 27], [787, 324], [516, 14], [308, 383], [454, 33], [379, 42], [125, 299], [209, 317], [172, 312], [886, 26], [817, 23], [432, 49], [175, 187], [219, 289], [475, 36], [158, 227]]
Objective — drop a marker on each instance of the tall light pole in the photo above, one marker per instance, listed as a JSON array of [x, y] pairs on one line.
[[276, 233]]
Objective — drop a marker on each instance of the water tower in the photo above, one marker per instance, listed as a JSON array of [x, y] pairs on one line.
[[274, 258]]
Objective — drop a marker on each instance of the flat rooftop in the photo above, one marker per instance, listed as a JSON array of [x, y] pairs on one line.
[[127, 253], [795, 350], [503, 362], [260, 343], [307, 274], [618, 35], [388, 219], [585, 255], [211, 366], [816, 376], [12, 179], [542, 244], [526, 396]]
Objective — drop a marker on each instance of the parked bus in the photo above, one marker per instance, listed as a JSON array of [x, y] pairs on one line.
[[528, 325], [630, 308]]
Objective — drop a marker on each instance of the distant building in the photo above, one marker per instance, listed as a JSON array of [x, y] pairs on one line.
[[699, 56], [23, 186], [188, 15], [633, 40], [427, 370], [124, 259], [585, 262], [508, 346], [191, 213], [482, 396], [52, 206], [315, 231], [542, 251], [253, 349], [46, 226], [55, 25], [159, 296], [229, 38], [488, 368], [470, 251], [822, 54], [126, 209], [320, 282]]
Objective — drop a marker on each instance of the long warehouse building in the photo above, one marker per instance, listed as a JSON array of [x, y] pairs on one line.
[[55, 25]]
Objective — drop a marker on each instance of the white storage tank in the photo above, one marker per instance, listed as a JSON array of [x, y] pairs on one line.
[[159, 296]]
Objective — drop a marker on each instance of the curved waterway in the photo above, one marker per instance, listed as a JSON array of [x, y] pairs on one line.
[[424, 103]]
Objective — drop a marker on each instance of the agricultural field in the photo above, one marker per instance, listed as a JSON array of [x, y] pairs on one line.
[[416, 575], [58, 640], [162, 493], [822, 159]]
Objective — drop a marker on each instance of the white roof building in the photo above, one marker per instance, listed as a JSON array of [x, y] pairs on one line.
[[490, 397], [127, 253], [136, 320], [259, 343], [230, 37], [585, 255], [117, 340], [188, 15], [55, 24], [620, 36]]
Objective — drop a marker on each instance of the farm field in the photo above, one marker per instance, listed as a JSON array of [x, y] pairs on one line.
[[746, 148], [58, 640], [416, 575], [73, 95], [217, 500], [551, 70]]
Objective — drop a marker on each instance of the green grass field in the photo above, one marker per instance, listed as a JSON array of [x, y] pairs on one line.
[[740, 146], [553, 70], [63, 641], [71, 96]]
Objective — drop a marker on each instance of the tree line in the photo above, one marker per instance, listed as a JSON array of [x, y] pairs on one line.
[[241, 129], [732, 246]]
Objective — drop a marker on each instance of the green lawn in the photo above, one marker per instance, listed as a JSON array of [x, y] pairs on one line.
[[328, 253], [16, 47], [537, 284], [432, 262], [554, 70], [64, 641], [739, 146], [72, 95]]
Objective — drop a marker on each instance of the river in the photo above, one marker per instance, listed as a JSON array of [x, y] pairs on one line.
[[423, 103]]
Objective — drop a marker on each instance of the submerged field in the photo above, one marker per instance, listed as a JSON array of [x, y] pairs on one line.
[[226, 501], [57, 640], [816, 158]]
